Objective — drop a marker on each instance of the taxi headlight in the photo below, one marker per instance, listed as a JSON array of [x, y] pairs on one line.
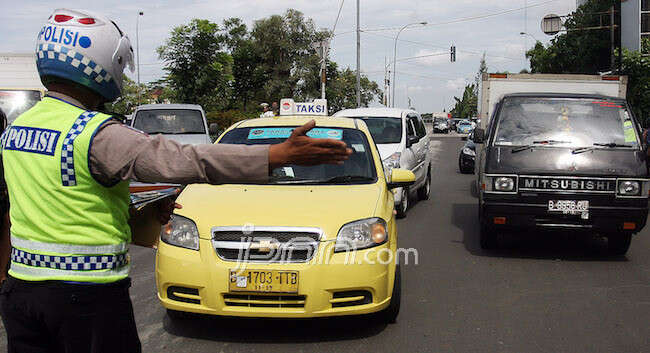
[[504, 184], [392, 161], [362, 234], [180, 231], [468, 151], [629, 188]]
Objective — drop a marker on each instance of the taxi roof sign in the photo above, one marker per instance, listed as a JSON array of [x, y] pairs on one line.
[[317, 107]]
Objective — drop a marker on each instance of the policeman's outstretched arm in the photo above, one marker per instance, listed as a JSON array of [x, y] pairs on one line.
[[303, 150]]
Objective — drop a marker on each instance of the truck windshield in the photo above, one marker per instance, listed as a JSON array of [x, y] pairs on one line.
[[14, 103], [440, 120], [569, 122], [170, 121], [358, 169], [384, 130]]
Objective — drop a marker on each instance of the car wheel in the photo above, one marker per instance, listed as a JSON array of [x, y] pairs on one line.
[[404, 205], [462, 169], [425, 190], [487, 236], [389, 315], [618, 244]]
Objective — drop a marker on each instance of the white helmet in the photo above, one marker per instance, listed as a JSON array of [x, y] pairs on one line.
[[85, 48]]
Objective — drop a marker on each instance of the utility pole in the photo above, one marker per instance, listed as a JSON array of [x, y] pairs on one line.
[[385, 80], [358, 59], [612, 35], [137, 45]]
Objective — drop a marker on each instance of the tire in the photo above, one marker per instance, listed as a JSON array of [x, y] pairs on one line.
[[460, 166], [403, 206], [425, 190], [487, 236], [389, 315], [618, 244]]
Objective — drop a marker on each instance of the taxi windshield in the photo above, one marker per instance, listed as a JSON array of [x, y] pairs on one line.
[[565, 122], [384, 130], [358, 169], [170, 121], [13, 103]]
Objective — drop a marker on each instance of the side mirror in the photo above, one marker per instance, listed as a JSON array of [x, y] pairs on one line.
[[401, 178], [214, 129], [479, 135], [411, 140]]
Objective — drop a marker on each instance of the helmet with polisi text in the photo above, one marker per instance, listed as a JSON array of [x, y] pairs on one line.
[[86, 48]]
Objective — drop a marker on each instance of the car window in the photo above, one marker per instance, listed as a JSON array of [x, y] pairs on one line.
[[384, 130], [575, 122], [170, 121], [419, 126], [14, 103], [410, 130], [360, 165]]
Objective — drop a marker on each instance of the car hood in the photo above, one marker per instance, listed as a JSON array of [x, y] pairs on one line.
[[188, 139], [560, 161], [322, 206], [386, 150]]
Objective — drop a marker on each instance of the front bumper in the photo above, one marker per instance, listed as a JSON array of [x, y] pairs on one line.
[[197, 281], [629, 216]]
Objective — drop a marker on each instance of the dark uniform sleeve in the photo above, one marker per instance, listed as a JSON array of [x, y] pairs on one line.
[[119, 153]]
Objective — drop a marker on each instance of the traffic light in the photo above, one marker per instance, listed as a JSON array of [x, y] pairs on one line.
[[453, 53]]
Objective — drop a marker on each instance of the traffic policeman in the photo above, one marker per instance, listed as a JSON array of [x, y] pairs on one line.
[[67, 167]]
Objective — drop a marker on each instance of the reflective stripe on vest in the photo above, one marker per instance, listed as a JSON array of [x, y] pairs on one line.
[[67, 248], [89, 261]]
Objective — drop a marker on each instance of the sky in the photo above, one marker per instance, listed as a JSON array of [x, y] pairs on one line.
[[473, 26]]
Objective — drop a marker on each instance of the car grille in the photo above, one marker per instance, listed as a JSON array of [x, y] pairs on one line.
[[265, 301], [266, 244]]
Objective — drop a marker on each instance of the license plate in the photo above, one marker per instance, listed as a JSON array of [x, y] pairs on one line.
[[273, 281], [569, 207]]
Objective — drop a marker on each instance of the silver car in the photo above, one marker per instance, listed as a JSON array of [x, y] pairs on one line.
[[184, 123]]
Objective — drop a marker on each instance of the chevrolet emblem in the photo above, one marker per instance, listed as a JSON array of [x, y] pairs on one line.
[[265, 246]]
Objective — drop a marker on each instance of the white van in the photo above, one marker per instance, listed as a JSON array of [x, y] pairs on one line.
[[403, 142]]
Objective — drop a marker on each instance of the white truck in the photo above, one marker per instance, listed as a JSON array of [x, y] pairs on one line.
[[20, 85], [495, 86]]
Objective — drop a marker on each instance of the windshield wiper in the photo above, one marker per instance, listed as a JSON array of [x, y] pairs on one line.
[[342, 179], [535, 143], [596, 145]]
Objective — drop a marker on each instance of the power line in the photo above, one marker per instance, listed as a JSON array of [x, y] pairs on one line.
[[440, 47], [467, 19], [338, 16]]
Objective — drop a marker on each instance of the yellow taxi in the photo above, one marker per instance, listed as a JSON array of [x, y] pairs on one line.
[[312, 242]]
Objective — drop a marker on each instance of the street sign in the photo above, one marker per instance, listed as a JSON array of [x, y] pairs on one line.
[[551, 24]]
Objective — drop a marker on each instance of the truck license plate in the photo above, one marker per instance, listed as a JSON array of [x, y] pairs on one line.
[[269, 281], [570, 207]]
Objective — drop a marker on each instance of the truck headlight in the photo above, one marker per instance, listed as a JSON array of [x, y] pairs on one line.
[[180, 231], [392, 161], [468, 151], [504, 184], [629, 188], [362, 234]]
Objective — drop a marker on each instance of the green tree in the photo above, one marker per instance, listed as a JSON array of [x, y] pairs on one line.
[[198, 70], [577, 51], [342, 87], [127, 103], [637, 67], [287, 58], [466, 106]]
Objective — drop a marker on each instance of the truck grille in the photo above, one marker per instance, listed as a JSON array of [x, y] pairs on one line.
[[266, 244]]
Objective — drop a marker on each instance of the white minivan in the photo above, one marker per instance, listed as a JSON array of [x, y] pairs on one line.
[[403, 142]]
